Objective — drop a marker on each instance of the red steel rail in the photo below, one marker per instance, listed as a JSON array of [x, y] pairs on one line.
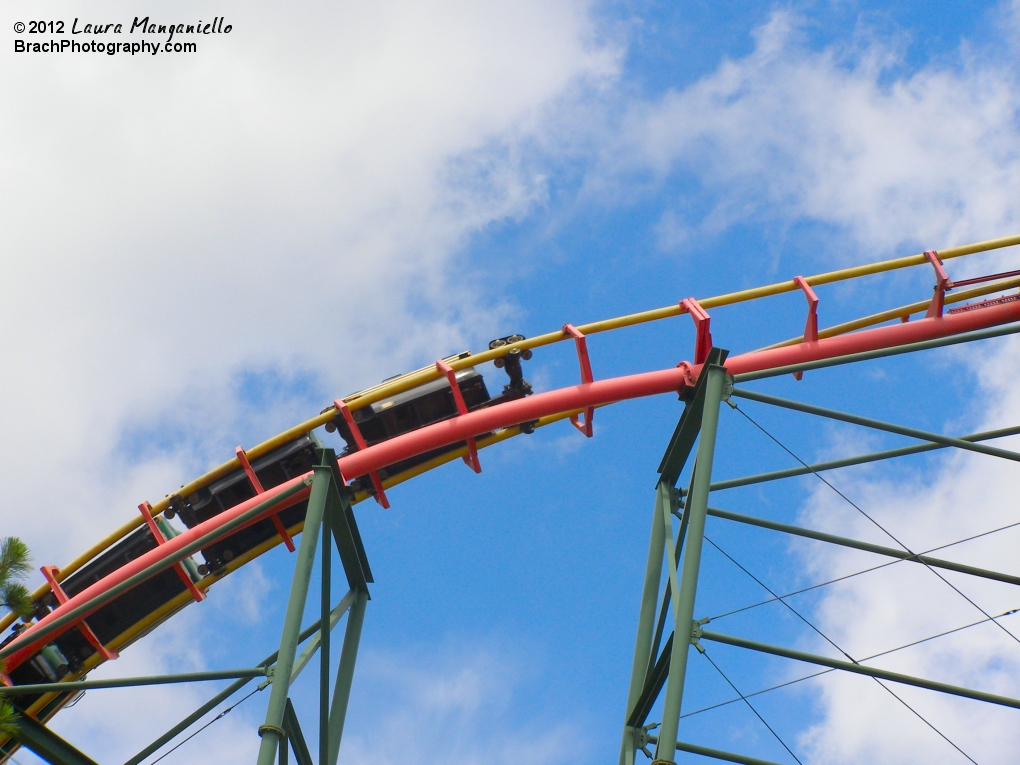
[[600, 392], [587, 394], [25, 646]]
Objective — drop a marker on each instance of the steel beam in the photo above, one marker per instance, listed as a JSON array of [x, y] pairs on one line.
[[683, 608], [126, 682], [718, 754], [688, 426], [890, 552], [658, 664], [821, 467], [308, 652], [715, 754], [325, 595], [188, 721], [654, 681], [646, 619], [345, 676], [271, 731], [859, 669], [647, 669], [868, 422], [312, 631], [295, 736], [39, 739]]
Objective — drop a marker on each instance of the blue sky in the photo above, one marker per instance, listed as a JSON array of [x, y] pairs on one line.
[[204, 252]]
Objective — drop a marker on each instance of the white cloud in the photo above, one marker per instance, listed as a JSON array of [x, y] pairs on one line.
[[844, 138], [290, 202], [961, 496], [454, 703], [841, 137]]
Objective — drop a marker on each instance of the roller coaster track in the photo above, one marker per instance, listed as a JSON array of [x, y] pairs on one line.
[[861, 338]]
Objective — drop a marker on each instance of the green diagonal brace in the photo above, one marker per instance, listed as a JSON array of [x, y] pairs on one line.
[[295, 736], [233, 688], [345, 676], [821, 467], [890, 552], [868, 422], [271, 731], [859, 669], [48, 745]]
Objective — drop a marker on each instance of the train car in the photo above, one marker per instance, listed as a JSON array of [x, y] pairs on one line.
[[66, 656], [428, 404], [67, 653], [278, 466]]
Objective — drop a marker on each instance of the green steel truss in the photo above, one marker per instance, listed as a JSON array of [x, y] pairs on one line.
[[329, 522], [660, 674], [657, 673]]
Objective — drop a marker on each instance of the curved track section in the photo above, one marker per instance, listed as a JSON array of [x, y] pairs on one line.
[[259, 497]]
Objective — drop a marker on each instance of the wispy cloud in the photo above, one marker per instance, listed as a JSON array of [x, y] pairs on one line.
[[886, 158], [841, 137], [279, 204], [461, 702]]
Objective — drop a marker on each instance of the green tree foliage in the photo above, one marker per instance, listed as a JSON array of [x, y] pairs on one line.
[[14, 565], [15, 562], [8, 720]]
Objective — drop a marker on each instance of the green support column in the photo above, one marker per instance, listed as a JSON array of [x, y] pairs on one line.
[[272, 730], [683, 608], [345, 676], [646, 620], [327, 539]]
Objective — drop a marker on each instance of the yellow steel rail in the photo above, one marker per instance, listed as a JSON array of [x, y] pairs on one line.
[[427, 374], [142, 627], [902, 312]]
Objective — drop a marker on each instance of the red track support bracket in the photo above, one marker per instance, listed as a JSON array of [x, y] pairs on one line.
[[471, 458], [50, 574], [702, 325], [146, 510], [380, 495], [584, 362], [811, 326], [942, 285], [257, 485]]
